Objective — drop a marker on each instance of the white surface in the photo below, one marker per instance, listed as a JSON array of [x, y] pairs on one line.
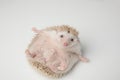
[[98, 22]]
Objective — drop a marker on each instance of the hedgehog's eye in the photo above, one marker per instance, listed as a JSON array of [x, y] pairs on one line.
[[68, 31], [72, 39], [61, 36]]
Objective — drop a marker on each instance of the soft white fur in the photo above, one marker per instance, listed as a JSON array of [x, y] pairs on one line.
[[49, 49]]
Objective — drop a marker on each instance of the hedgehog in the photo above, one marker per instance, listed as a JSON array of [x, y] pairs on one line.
[[55, 50]]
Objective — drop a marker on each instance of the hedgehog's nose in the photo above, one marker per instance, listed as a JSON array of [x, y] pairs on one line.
[[65, 44]]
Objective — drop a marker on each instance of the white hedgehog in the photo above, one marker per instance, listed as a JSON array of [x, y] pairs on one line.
[[55, 50]]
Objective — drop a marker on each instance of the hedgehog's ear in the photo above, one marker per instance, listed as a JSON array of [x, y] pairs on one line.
[[34, 29]]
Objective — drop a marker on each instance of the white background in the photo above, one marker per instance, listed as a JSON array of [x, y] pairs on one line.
[[98, 22]]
